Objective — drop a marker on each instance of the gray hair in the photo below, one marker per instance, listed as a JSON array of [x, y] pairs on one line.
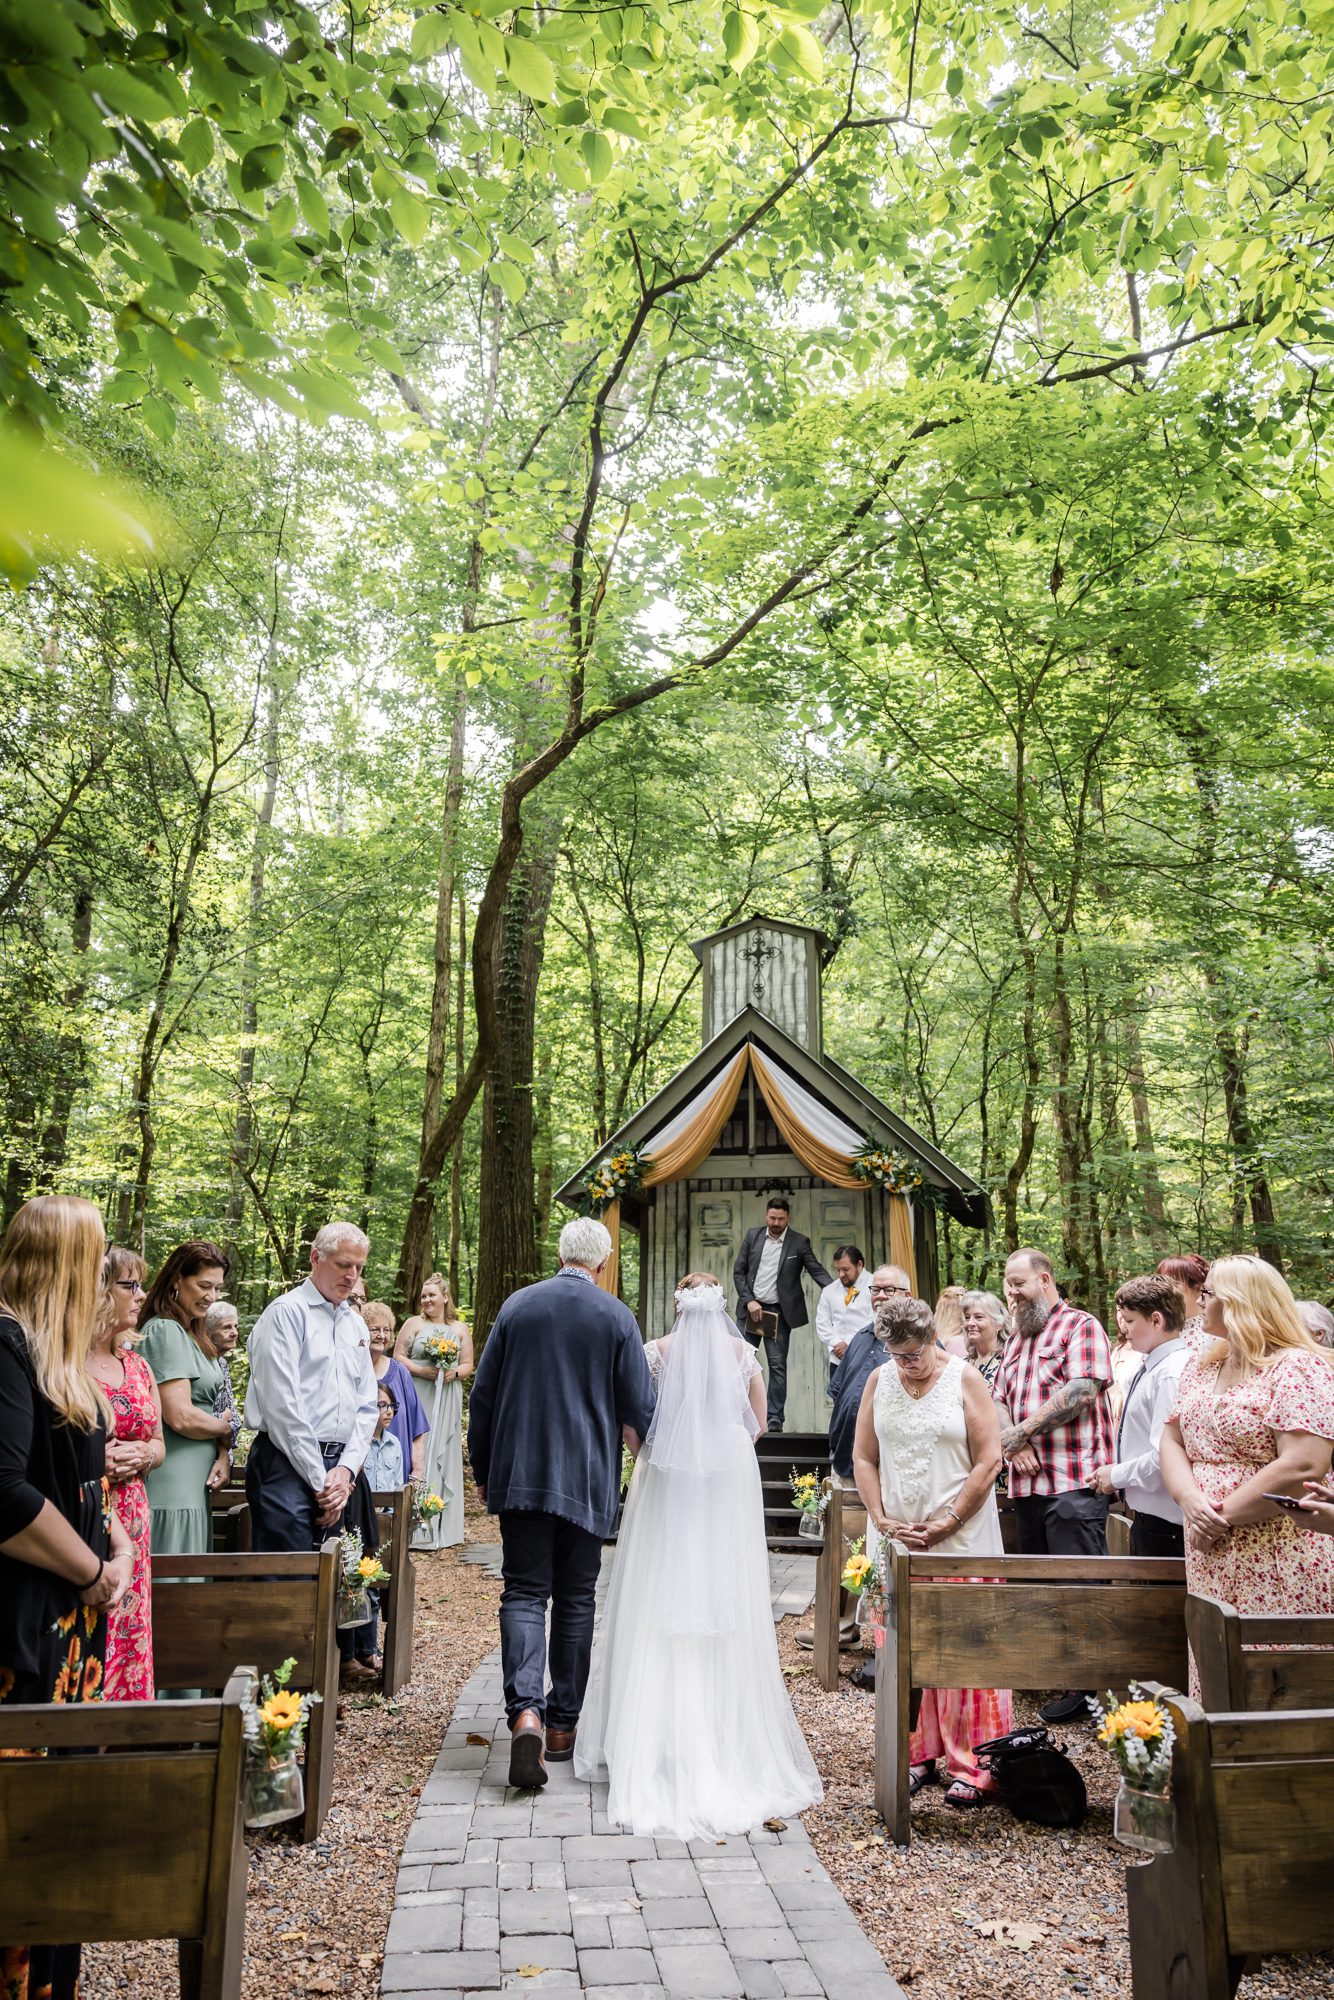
[[988, 1303], [220, 1310], [585, 1241], [1318, 1321], [330, 1239], [900, 1321]]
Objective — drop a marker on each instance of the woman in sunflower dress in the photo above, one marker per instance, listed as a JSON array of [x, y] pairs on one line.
[[65, 1560]]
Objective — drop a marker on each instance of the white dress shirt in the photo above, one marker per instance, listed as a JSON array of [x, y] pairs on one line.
[[312, 1381], [838, 1317], [766, 1278], [1149, 1397]]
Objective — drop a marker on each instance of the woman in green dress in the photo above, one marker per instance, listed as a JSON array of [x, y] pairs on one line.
[[188, 1371]]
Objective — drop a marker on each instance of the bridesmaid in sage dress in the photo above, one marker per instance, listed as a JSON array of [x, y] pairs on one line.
[[441, 1390], [188, 1372]]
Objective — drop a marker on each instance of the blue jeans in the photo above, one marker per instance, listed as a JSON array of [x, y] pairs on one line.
[[547, 1561], [283, 1519]]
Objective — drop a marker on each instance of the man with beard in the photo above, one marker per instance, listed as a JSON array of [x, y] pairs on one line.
[[1056, 1424]]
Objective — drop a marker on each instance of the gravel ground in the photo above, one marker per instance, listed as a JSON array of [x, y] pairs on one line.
[[316, 1916], [1061, 1897]]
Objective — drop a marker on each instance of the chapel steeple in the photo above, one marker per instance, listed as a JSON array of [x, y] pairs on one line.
[[769, 965]]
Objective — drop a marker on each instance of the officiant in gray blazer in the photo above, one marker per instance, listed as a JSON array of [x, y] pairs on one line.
[[767, 1276]]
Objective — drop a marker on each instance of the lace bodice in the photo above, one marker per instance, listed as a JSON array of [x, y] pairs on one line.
[[925, 1457], [745, 1358]]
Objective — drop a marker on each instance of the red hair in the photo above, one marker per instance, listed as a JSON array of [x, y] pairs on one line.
[[1189, 1270]]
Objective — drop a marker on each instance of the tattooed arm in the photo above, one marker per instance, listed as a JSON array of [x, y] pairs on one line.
[[1055, 1413]]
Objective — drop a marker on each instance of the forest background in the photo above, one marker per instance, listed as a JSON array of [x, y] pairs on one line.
[[493, 494]]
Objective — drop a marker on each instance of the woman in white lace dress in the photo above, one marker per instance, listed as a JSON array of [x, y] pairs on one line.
[[926, 1456], [687, 1711]]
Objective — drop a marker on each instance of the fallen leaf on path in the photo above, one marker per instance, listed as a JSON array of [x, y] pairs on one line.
[[775, 1826], [531, 1971], [473, 1738], [291, 1937]]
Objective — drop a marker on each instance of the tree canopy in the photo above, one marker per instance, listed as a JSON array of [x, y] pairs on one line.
[[609, 468]]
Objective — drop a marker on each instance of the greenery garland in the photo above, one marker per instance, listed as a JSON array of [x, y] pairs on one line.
[[896, 1173]]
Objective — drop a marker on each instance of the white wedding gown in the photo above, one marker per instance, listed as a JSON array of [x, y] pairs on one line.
[[687, 1712]]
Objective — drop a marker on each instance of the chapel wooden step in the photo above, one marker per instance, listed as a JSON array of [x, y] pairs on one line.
[[779, 1457]]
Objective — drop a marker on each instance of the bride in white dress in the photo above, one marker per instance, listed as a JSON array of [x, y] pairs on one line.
[[687, 1712]]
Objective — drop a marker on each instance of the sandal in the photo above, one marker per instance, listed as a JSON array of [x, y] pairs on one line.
[[919, 1775], [962, 1793]]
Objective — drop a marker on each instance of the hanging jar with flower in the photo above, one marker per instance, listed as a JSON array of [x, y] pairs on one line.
[[1140, 1736], [810, 1504], [361, 1574], [274, 1725]]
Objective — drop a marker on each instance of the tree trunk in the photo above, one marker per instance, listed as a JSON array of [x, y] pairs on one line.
[[507, 1216], [1151, 1187], [70, 1052], [456, 1157], [243, 1127]]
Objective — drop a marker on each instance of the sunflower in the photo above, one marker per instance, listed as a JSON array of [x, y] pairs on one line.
[[6, 1682], [92, 1678], [368, 1566], [1133, 1718], [282, 1710]]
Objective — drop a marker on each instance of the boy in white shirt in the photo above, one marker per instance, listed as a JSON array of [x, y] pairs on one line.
[[1150, 1313]]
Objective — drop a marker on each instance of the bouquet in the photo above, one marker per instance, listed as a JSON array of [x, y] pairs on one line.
[[1140, 1736], [627, 1467], [893, 1172], [425, 1504], [440, 1350], [806, 1495]]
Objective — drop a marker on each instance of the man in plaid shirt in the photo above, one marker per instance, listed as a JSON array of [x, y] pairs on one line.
[[1056, 1423]]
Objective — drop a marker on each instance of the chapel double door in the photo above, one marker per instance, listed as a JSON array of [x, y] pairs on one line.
[[829, 1216]]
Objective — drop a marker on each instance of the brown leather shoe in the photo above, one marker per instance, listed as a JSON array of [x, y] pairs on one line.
[[560, 1745], [528, 1773]]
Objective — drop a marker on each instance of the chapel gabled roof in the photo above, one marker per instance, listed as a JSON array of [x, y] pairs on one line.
[[961, 1195]]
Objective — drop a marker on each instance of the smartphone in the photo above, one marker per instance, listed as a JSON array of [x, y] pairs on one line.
[[1284, 1500]]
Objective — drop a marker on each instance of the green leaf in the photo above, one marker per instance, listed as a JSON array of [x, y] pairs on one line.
[[261, 167], [133, 95], [620, 120], [529, 70], [798, 53], [313, 206], [510, 280], [411, 217], [741, 38], [430, 34], [195, 145], [597, 155]]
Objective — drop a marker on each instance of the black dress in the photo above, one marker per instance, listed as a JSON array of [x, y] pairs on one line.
[[52, 1648]]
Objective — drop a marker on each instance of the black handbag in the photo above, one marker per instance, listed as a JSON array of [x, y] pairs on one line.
[[1035, 1777]]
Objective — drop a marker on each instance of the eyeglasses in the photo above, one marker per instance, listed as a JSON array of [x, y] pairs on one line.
[[388, 1408], [890, 1292], [1208, 1292], [129, 1285], [902, 1356]]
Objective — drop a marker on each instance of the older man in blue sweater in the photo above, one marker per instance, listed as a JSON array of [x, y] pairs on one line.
[[562, 1375]]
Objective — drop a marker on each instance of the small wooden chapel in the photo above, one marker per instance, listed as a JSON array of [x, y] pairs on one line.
[[760, 1110]]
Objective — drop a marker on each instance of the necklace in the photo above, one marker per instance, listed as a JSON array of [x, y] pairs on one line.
[[917, 1394]]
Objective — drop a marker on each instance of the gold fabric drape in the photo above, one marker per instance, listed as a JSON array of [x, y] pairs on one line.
[[901, 1238], [679, 1158]]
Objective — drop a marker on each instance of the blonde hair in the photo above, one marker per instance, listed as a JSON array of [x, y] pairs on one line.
[[451, 1310], [949, 1313], [379, 1306], [1259, 1312], [51, 1281], [693, 1279]]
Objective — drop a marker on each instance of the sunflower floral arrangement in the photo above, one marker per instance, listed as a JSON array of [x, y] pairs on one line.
[[881, 1167], [862, 1575], [806, 1495], [1140, 1736], [426, 1504], [273, 1720], [360, 1574], [622, 1174], [440, 1350]]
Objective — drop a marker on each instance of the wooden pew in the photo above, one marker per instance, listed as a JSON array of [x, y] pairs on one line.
[[844, 1521], [1249, 1875], [1032, 1622], [139, 1838], [215, 1613], [1118, 1533], [394, 1512], [1295, 1669]]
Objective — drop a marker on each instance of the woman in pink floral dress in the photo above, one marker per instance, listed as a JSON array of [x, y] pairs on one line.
[[134, 1447], [1254, 1415]]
